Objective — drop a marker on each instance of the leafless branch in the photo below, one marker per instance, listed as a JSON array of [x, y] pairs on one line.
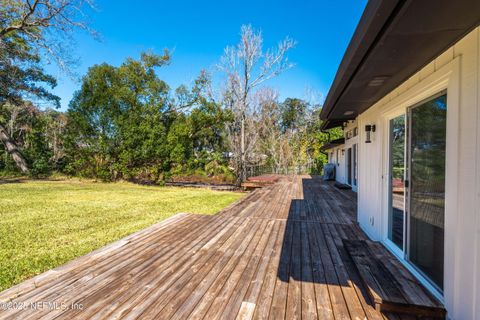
[[47, 25], [246, 67]]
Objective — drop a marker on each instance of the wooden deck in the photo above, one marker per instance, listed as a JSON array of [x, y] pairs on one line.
[[278, 254]]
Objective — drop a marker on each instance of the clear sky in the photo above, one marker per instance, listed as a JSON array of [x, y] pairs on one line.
[[198, 31]]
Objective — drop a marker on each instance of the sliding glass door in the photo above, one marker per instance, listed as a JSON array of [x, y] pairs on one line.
[[355, 164], [396, 212], [349, 166], [416, 188], [427, 142]]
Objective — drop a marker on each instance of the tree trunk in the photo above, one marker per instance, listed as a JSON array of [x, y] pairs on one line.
[[243, 173], [12, 149]]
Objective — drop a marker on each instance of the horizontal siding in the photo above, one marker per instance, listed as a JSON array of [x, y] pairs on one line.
[[463, 222]]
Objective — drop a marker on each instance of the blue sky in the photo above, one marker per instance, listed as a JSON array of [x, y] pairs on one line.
[[198, 31]]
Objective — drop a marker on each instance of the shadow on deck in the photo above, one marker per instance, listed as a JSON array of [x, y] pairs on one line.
[[323, 245]]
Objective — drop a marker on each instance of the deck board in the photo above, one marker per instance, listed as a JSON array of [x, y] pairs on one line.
[[387, 286], [278, 253]]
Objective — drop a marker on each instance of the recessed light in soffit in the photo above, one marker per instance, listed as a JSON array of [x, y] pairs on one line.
[[377, 81]]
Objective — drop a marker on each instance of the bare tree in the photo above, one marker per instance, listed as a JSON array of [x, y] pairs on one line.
[[247, 67]]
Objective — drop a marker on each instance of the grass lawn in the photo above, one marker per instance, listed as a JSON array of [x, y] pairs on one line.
[[44, 224]]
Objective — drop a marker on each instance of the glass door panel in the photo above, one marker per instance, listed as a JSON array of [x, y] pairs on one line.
[[396, 215], [427, 124], [355, 164], [349, 166]]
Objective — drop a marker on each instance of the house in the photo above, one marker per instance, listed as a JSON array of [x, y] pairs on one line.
[[407, 93], [343, 153]]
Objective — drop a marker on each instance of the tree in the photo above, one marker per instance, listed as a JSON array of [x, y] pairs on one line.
[[294, 125], [39, 135], [30, 30], [247, 67], [315, 138], [294, 113], [119, 119], [45, 26], [21, 77], [290, 134], [12, 149], [55, 130], [269, 128], [125, 123]]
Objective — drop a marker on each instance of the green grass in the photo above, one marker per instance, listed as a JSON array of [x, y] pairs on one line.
[[44, 224]]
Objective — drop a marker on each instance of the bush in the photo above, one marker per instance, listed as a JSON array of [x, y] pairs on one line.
[[40, 168]]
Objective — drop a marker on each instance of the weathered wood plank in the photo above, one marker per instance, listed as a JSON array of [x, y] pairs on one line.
[[279, 301], [72, 287], [294, 295], [337, 299], [59, 273], [213, 287], [141, 274], [324, 305], [360, 289], [235, 287], [351, 298], [309, 303], [380, 284], [415, 292], [276, 253], [265, 296], [194, 274], [161, 269], [383, 286], [252, 279]]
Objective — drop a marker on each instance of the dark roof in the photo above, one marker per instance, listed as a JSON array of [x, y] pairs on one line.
[[333, 144], [393, 40]]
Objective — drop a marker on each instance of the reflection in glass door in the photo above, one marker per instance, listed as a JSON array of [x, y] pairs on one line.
[[427, 131], [396, 214], [349, 166], [355, 165]]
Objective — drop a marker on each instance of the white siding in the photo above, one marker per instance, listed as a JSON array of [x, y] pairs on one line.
[[339, 161], [348, 144], [341, 151], [458, 71]]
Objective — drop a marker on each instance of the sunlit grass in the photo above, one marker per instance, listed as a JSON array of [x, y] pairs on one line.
[[44, 224]]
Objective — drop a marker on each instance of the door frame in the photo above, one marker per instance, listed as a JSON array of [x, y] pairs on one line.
[[355, 166], [402, 255], [349, 165], [387, 184], [444, 78]]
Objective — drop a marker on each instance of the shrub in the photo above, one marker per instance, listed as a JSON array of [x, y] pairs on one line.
[[40, 168]]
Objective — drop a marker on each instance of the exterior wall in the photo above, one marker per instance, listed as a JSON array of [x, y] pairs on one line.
[[458, 71], [338, 155], [349, 142]]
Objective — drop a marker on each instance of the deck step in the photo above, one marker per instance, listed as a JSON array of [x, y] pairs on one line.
[[390, 285], [342, 186], [260, 181], [253, 185]]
